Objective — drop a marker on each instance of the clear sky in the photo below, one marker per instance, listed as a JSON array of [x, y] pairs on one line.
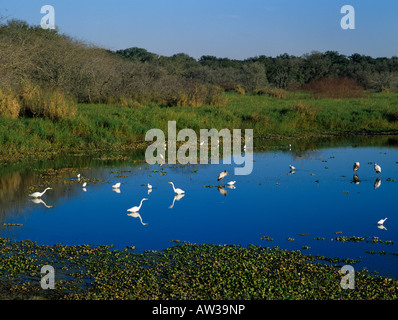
[[235, 29]]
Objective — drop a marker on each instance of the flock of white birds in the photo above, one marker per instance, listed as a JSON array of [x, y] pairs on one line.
[[180, 193]]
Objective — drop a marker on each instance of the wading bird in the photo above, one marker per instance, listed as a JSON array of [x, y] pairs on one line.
[[377, 168], [39, 194], [78, 177], [231, 183], [116, 186], [84, 184], [381, 221], [136, 209], [177, 190], [149, 186], [222, 175], [291, 167], [356, 166]]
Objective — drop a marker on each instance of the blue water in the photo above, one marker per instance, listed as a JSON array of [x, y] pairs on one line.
[[318, 200]]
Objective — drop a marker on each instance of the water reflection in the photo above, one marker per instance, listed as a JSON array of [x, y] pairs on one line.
[[377, 183], [176, 197], [40, 201], [137, 215], [322, 199]]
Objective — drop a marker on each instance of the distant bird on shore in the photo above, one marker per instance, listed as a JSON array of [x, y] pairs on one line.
[[38, 194], [381, 221], [78, 177], [356, 166], [222, 175], [377, 168]]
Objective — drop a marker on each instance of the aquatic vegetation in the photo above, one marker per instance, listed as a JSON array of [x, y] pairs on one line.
[[184, 271]]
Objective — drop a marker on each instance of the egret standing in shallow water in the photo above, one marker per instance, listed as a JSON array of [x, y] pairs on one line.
[[356, 166], [136, 209], [177, 190], [39, 194], [116, 186], [381, 221], [377, 168]]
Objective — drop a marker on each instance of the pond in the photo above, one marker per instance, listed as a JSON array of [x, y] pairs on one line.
[[321, 208]]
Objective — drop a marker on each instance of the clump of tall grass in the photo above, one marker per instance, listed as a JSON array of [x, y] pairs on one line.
[[273, 92], [9, 104], [52, 104]]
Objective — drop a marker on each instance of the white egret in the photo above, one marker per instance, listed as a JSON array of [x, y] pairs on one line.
[[39, 194], [78, 177], [222, 175], [116, 186], [356, 166], [381, 221], [84, 184], [177, 190], [136, 209], [149, 186], [137, 215], [377, 168], [231, 183], [291, 167]]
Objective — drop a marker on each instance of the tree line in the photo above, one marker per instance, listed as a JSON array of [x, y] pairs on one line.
[[36, 61]]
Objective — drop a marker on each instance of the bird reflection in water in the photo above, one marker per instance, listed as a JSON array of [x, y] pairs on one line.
[[355, 179], [137, 215], [177, 197], [377, 183], [222, 191], [40, 201]]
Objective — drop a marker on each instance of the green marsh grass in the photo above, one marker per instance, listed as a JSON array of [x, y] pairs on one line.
[[119, 126]]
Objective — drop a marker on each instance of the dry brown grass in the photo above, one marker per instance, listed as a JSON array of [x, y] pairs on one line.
[[335, 88], [9, 104]]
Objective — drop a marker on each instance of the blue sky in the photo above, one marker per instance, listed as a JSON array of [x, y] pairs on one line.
[[223, 28]]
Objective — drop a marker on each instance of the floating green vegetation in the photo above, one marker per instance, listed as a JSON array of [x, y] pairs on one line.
[[12, 225], [349, 239], [266, 238], [319, 238], [377, 240], [184, 271]]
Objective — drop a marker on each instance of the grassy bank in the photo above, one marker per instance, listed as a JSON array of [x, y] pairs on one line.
[[116, 127], [184, 271]]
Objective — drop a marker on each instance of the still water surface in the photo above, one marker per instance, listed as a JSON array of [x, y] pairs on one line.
[[320, 200]]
